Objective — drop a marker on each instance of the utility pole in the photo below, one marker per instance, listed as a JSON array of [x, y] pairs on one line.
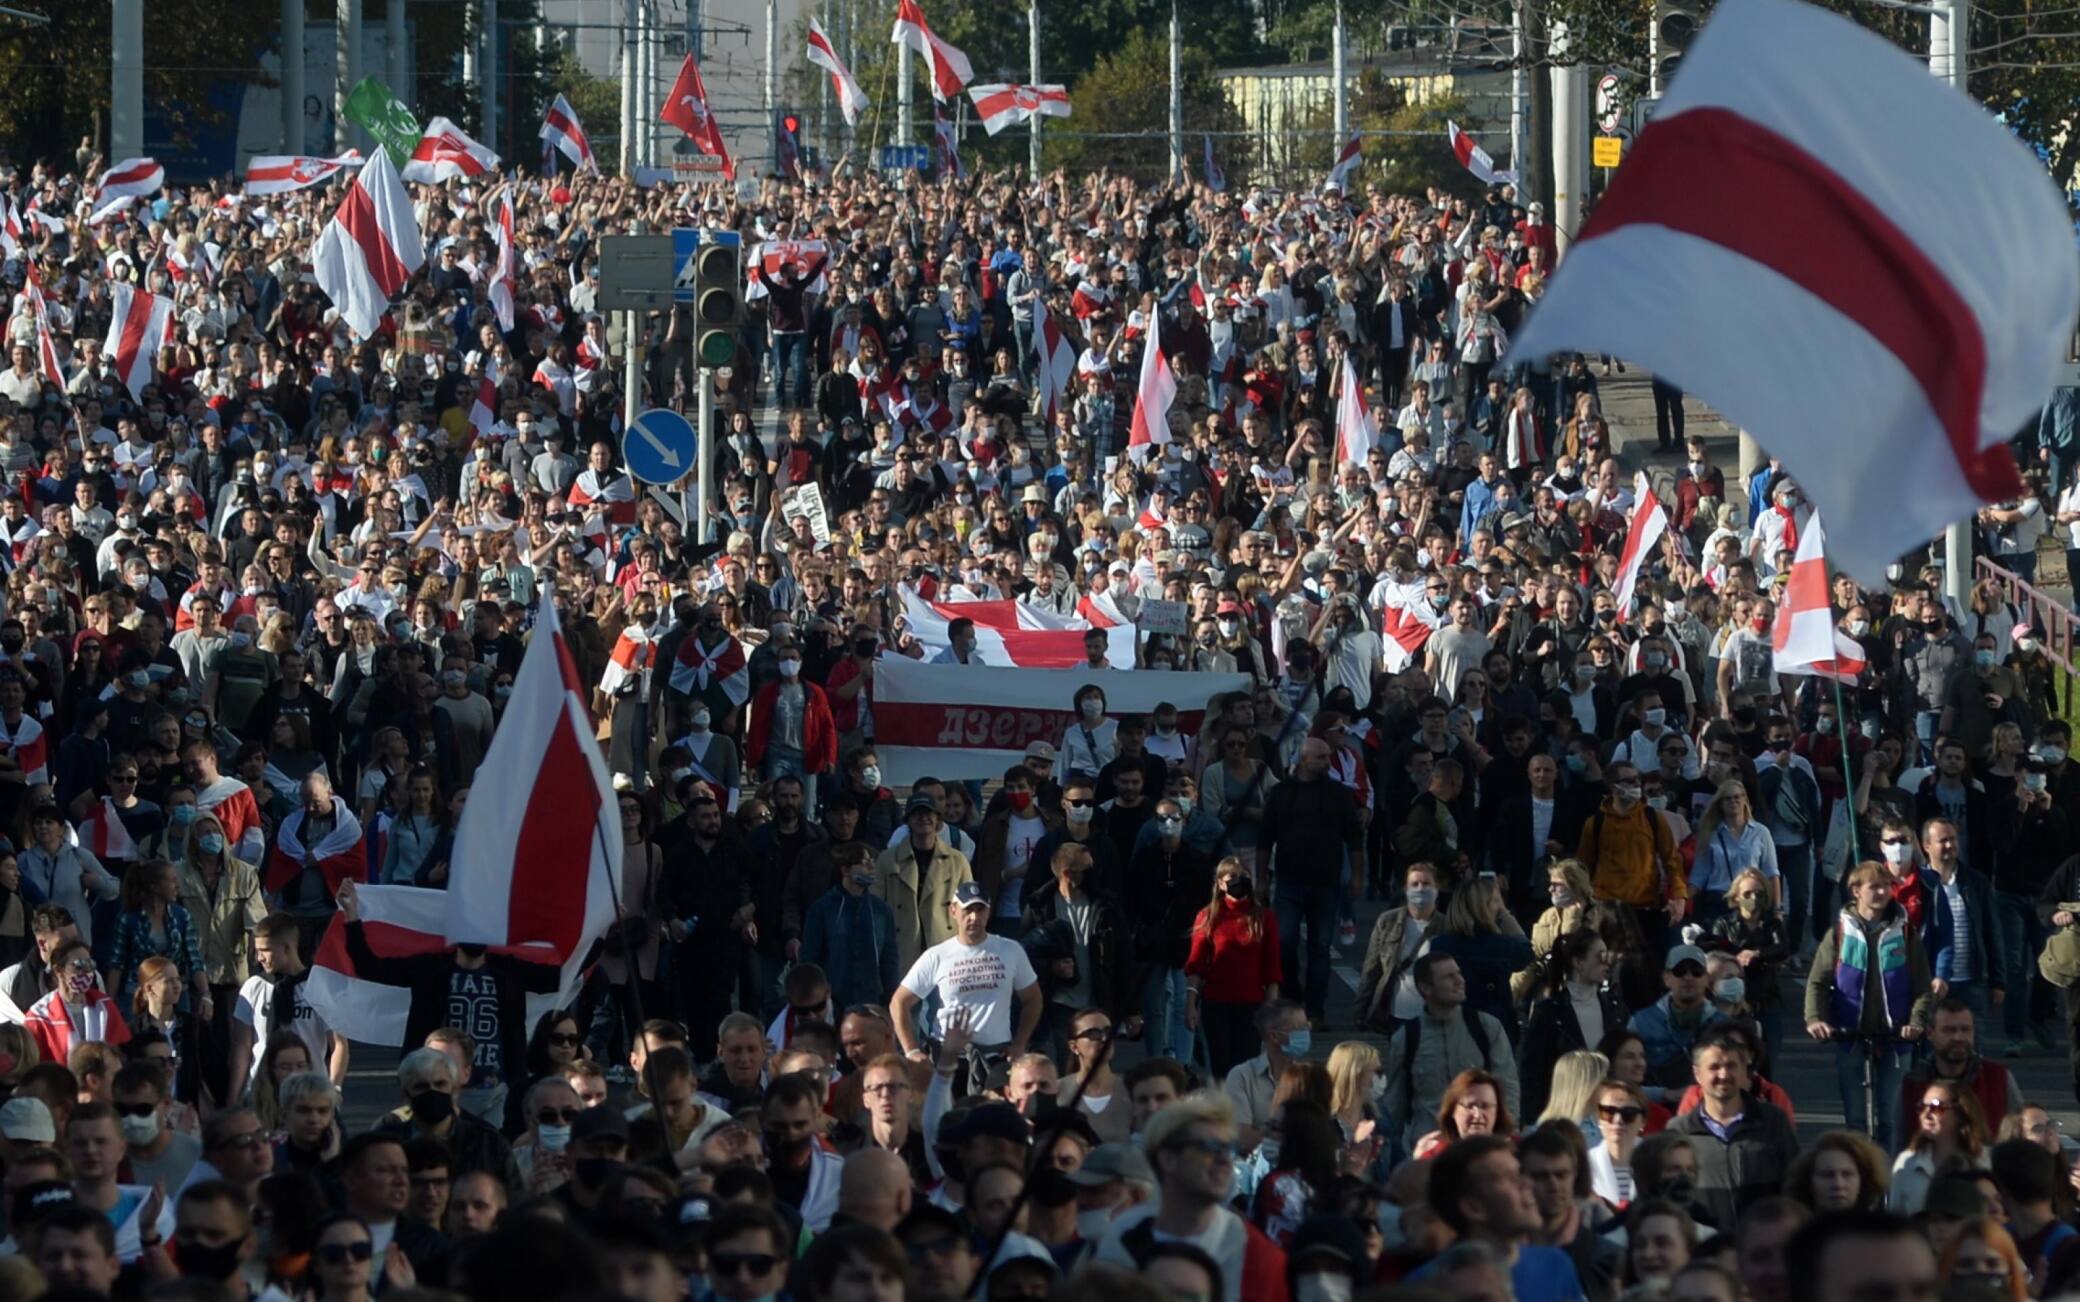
[[772, 78], [1033, 60], [1949, 55], [629, 159], [1570, 141], [394, 59], [1518, 94], [1341, 113], [902, 98], [646, 85], [126, 74], [491, 74], [1176, 93], [346, 45], [292, 77]]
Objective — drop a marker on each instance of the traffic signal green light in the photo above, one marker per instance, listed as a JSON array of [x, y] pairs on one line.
[[718, 301]]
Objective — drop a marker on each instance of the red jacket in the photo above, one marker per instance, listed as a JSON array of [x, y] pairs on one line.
[[1232, 967], [49, 1023], [819, 732]]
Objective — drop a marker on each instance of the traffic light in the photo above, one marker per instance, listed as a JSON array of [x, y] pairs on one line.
[[718, 298], [787, 145], [1675, 27]]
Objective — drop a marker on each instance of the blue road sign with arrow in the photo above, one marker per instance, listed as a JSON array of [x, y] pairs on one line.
[[660, 447]]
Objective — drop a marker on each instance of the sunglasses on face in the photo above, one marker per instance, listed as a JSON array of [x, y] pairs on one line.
[[556, 1116], [338, 1254], [1627, 1114]]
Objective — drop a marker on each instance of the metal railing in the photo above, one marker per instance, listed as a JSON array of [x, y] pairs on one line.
[[2058, 630]]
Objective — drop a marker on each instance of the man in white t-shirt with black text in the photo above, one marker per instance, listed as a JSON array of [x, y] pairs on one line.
[[990, 976]]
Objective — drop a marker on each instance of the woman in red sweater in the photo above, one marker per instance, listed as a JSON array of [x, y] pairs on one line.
[[1232, 968]]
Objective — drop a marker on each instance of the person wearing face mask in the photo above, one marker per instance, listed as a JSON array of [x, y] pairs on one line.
[[1633, 858], [1931, 654], [432, 1109], [157, 1153], [1233, 967], [1091, 740], [1166, 880], [1005, 845], [76, 1010], [213, 1237], [850, 933], [492, 987], [793, 731], [1985, 694]]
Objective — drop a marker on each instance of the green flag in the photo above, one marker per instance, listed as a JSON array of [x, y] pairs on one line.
[[373, 107]]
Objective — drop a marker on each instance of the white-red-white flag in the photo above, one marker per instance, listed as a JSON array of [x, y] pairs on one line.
[[47, 356], [135, 177], [686, 108], [505, 273], [1805, 640], [561, 128], [1859, 248], [946, 144], [281, 173], [1002, 106], [446, 152], [483, 408], [1642, 535], [104, 833], [399, 923], [1153, 394], [852, 100], [1013, 634], [1057, 357], [537, 865], [10, 228], [1347, 160], [370, 248], [1357, 433], [948, 67], [1402, 633], [1475, 159], [141, 325]]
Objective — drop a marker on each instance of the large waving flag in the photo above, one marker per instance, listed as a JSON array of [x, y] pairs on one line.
[[1475, 159], [721, 677], [1357, 433], [281, 173], [1860, 251], [949, 67], [851, 99], [141, 325], [1642, 535], [561, 128], [1804, 638], [1347, 160], [133, 177], [446, 152], [370, 247], [400, 922], [532, 867], [686, 108], [1002, 106], [946, 145], [505, 273], [1152, 396], [1057, 361]]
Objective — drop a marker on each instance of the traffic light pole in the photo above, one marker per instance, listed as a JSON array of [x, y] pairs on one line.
[[704, 527], [1949, 48]]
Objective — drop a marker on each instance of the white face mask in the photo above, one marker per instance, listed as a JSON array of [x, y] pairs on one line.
[[552, 1139], [1323, 1287], [139, 1131], [790, 667], [871, 776], [1898, 852], [1730, 991]]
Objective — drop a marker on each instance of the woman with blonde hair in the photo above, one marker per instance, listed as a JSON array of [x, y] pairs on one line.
[[1949, 1132], [1753, 932], [1232, 968], [1571, 895], [1730, 842], [1489, 945], [1577, 1079], [1621, 1118], [1982, 1262], [1353, 1069]]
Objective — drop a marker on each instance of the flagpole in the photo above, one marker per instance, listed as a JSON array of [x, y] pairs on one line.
[[1033, 60], [903, 122], [1337, 69], [1176, 93]]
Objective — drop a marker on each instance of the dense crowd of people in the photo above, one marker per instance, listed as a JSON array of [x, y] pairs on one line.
[[1066, 1026]]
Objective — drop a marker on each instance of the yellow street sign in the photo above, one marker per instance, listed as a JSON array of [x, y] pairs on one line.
[[1605, 151]]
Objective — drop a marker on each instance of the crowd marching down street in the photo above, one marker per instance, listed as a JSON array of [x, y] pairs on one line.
[[930, 883]]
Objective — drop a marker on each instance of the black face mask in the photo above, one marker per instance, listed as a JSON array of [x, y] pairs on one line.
[[202, 1262], [592, 1172], [781, 1146], [470, 951], [432, 1107], [1238, 888]]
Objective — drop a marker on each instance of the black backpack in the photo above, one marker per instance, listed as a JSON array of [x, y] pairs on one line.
[[1474, 1027]]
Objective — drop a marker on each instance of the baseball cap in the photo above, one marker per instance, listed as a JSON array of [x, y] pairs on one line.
[[599, 1123], [1683, 954], [920, 805], [1040, 750], [27, 1121], [988, 1120], [968, 893], [1109, 1162]]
